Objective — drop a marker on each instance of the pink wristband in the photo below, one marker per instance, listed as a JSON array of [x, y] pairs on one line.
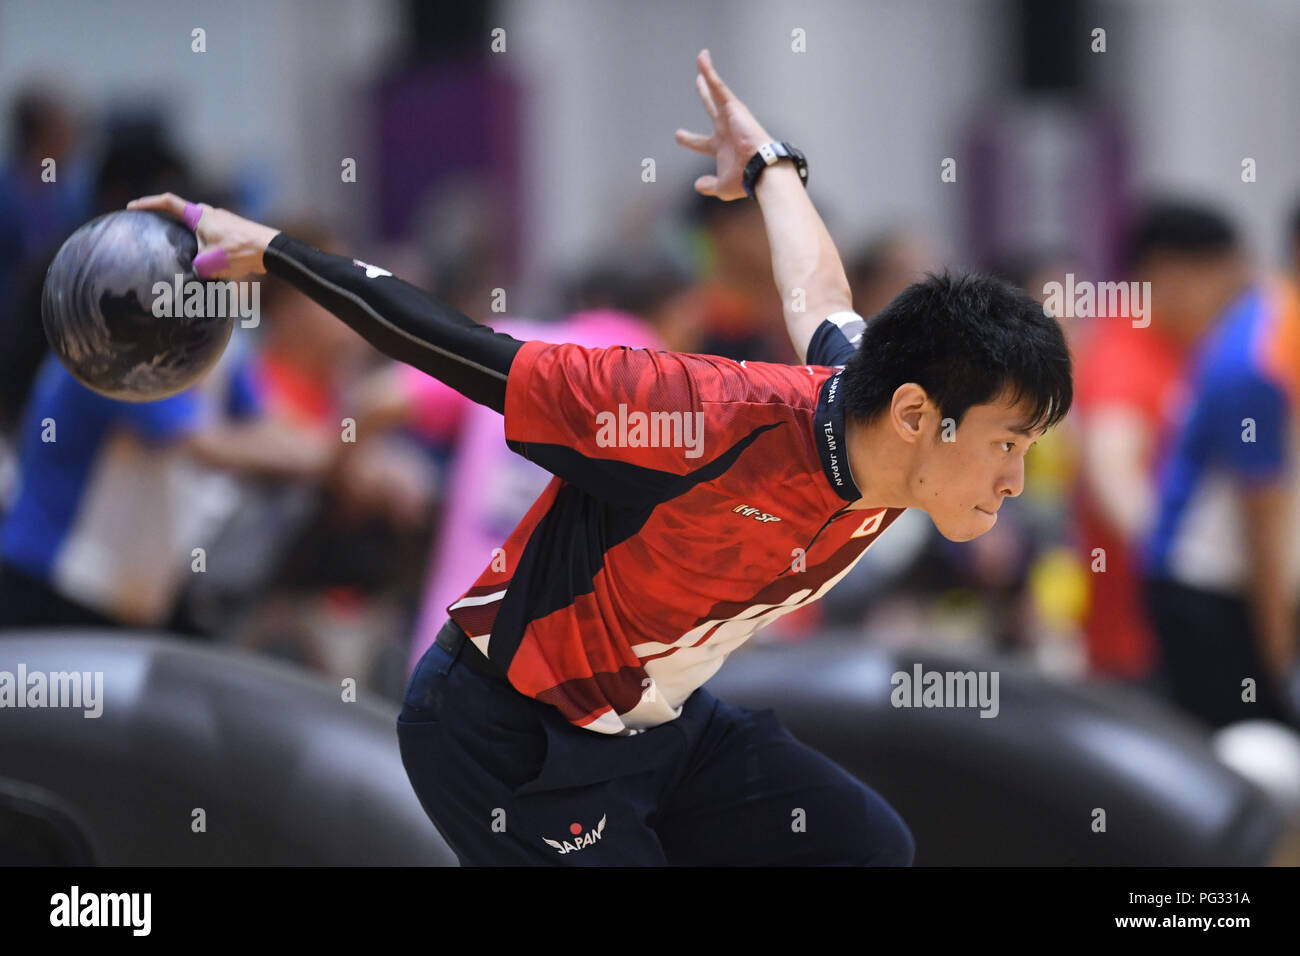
[[210, 262], [193, 211]]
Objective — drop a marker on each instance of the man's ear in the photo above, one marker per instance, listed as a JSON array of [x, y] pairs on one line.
[[907, 411]]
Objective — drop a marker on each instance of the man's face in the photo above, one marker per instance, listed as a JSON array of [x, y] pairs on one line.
[[1188, 291], [961, 483]]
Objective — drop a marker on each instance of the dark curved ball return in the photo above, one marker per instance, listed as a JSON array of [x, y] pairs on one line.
[[288, 773], [1018, 789]]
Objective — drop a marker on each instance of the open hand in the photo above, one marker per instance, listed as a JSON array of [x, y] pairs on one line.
[[736, 134]]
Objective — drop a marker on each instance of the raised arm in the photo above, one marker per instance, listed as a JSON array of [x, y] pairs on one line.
[[805, 262], [397, 318]]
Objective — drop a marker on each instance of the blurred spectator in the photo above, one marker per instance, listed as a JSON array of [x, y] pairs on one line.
[[885, 266], [306, 357], [354, 548], [461, 235], [115, 496], [1221, 559], [1033, 271], [136, 159], [647, 286], [44, 191], [36, 214], [736, 295], [1293, 244], [1128, 400]]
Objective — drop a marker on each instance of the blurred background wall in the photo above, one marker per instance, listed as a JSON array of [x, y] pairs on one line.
[[275, 98], [884, 92]]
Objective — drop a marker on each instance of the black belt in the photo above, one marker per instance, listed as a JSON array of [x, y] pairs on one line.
[[455, 642]]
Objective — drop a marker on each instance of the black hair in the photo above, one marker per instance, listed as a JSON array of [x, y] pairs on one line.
[[639, 285], [137, 159], [865, 265], [26, 115], [964, 339], [1020, 267], [1179, 227]]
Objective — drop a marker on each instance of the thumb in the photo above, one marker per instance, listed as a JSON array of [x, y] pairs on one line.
[[707, 185]]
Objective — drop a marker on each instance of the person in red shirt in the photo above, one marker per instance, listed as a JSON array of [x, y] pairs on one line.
[[1129, 394]]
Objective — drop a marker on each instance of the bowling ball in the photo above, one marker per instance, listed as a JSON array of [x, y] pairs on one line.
[[99, 301]]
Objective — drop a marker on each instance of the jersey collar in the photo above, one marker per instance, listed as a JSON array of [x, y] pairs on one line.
[[831, 440]]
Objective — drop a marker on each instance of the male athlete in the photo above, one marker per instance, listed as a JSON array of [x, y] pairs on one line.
[[559, 718]]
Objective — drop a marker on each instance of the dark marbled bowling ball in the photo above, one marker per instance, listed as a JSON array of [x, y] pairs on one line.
[[97, 307]]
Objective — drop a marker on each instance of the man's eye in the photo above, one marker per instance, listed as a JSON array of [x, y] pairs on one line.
[[1009, 445]]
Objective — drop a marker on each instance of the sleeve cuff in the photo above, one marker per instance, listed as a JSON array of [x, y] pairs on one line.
[[518, 387]]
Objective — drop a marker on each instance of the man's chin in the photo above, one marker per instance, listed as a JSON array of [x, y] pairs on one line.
[[968, 533]]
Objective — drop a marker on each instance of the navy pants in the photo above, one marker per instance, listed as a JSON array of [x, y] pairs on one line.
[[508, 781], [1208, 644]]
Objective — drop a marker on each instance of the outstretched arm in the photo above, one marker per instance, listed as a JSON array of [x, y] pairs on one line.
[[805, 263], [560, 396], [397, 318]]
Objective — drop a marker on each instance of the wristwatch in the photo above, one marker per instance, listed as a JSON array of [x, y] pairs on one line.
[[768, 154]]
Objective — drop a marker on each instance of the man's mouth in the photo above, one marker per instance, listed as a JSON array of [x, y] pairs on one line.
[[991, 514]]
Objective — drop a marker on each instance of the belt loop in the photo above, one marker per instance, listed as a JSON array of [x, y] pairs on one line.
[[451, 639]]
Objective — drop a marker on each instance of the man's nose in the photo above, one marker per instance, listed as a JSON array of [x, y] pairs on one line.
[[1013, 483]]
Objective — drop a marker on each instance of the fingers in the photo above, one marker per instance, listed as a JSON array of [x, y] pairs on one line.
[[707, 185], [210, 263], [193, 213], [165, 202], [703, 89], [717, 88], [696, 141]]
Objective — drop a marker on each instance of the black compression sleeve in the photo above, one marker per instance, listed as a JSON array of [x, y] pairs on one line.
[[400, 320]]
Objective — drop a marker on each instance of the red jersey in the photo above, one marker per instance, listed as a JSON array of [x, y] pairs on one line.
[[1139, 370], [696, 499]]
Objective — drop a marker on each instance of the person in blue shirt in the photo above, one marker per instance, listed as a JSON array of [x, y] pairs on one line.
[[114, 497], [1220, 561]]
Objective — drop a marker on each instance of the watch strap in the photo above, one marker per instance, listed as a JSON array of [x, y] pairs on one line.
[[768, 154]]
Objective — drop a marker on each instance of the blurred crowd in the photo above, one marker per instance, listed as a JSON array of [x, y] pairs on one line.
[[315, 501]]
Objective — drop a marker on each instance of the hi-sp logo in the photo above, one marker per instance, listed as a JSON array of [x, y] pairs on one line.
[[755, 513]]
